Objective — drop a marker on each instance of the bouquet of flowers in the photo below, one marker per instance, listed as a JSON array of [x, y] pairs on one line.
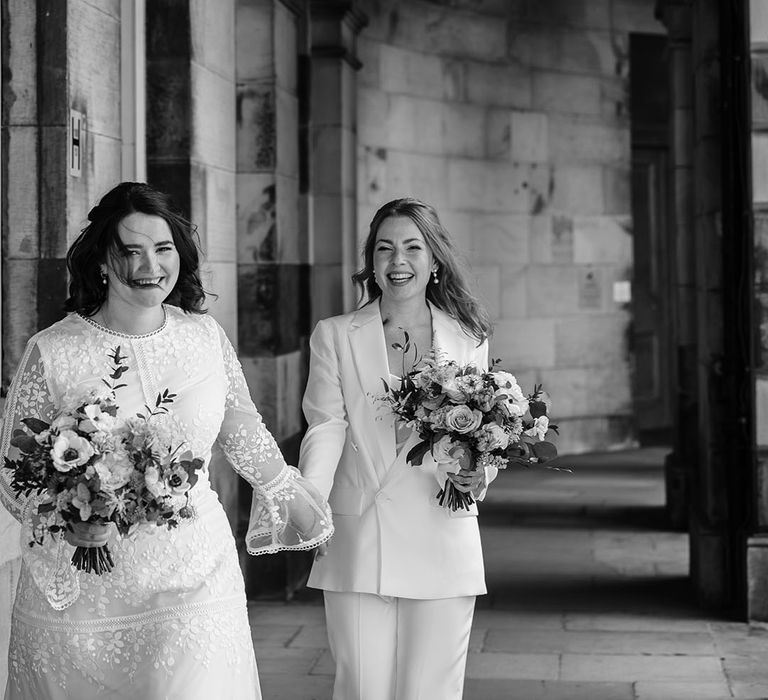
[[89, 466], [472, 418]]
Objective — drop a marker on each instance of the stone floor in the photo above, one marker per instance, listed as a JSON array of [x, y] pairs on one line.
[[588, 600]]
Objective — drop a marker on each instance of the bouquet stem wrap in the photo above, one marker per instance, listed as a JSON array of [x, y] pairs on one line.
[[96, 560]]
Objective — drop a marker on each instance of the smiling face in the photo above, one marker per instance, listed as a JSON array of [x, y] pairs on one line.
[[145, 273], [402, 260]]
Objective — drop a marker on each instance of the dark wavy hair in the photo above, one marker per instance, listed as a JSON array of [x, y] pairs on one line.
[[99, 242], [451, 293]]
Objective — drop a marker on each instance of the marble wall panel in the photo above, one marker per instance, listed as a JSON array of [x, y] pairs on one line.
[[410, 72], [578, 190], [616, 190], [286, 55], [487, 286], [256, 134], [514, 292], [578, 14], [221, 279], [287, 143], [498, 239], [504, 85], [760, 167], [442, 30], [565, 93], [219, 227], [552, 291], [421, 176], [213, 35], [21, 238], [415, 125], [758, 21], [463, 130], [530, 140], [524, 343], [576, 139], [93, 55], [490, 186], [636, 16], [590, 340], [213, 114], [256, 217], [20, 93], [590, 52], [602, 239], [599, 390], [373, 128], [254, 28]]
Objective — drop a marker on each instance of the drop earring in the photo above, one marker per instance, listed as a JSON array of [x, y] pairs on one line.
[[104, 278], [435, 278]]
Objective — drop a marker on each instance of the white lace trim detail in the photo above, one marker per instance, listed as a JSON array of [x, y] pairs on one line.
[[136, 620], [120, 334]]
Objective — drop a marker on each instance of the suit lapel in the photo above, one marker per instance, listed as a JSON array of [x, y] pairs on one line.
[[369, 352]]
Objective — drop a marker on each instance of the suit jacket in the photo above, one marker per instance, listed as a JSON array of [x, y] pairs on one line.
[[392, 537]]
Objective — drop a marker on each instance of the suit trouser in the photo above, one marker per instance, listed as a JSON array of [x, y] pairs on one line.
[[398, 648]]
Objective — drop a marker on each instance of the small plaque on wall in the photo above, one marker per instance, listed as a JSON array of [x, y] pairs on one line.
[[76, 142], [590, 290]]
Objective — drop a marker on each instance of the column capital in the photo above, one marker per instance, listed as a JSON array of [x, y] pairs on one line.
[[676, 16], [335, 26]]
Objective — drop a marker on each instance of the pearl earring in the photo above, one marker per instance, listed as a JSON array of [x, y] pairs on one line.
[[435, 278], [104, 278]]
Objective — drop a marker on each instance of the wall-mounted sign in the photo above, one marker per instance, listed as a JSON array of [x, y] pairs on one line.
[[76, 142]]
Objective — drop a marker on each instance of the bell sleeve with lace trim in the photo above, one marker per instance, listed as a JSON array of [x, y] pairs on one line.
[[29, 397], [287, 511]]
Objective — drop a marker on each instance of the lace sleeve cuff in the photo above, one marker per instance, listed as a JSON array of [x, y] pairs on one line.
[[288, 513]]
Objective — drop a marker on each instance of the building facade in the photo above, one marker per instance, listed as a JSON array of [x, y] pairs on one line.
[[575, 149]]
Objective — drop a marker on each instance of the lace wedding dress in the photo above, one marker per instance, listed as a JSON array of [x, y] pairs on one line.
[[170, 620]]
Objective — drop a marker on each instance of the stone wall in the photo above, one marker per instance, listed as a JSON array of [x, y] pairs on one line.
[[512, 118], [57, 57], [271, 245]]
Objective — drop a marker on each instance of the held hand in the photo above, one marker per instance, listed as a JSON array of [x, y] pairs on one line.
[[88, 534], [468, 481], [321, 550]]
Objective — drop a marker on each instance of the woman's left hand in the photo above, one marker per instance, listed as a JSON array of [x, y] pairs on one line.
[[468, 481]]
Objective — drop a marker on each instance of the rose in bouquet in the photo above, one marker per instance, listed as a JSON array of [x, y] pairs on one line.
[[471, 419], [90, 466]]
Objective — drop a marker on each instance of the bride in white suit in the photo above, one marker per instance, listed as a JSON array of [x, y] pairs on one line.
[[401, 574]]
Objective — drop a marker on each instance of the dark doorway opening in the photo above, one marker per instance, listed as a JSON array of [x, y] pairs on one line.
[[651, 332]]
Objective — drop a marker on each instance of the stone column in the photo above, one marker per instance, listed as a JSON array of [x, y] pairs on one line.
[[52, 65], [676, 15], [334, 250], [757, 547], [273, 270], [711, 522], [191, 149]]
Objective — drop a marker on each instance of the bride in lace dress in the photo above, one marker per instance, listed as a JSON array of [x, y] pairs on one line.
[[170, 619]]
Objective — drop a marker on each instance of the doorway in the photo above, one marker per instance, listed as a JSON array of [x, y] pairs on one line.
[[651, 331]]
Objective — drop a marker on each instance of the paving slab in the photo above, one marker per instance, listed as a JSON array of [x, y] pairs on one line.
[[518, 666], [477, 689], [635, 623], [293, 687], [669, 690], [632, 668], [600, 642], [297, 662]]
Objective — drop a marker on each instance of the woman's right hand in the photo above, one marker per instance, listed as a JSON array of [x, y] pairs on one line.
[[88, 534]]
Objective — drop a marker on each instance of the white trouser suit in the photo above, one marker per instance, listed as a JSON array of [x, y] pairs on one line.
[[401, 572]]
